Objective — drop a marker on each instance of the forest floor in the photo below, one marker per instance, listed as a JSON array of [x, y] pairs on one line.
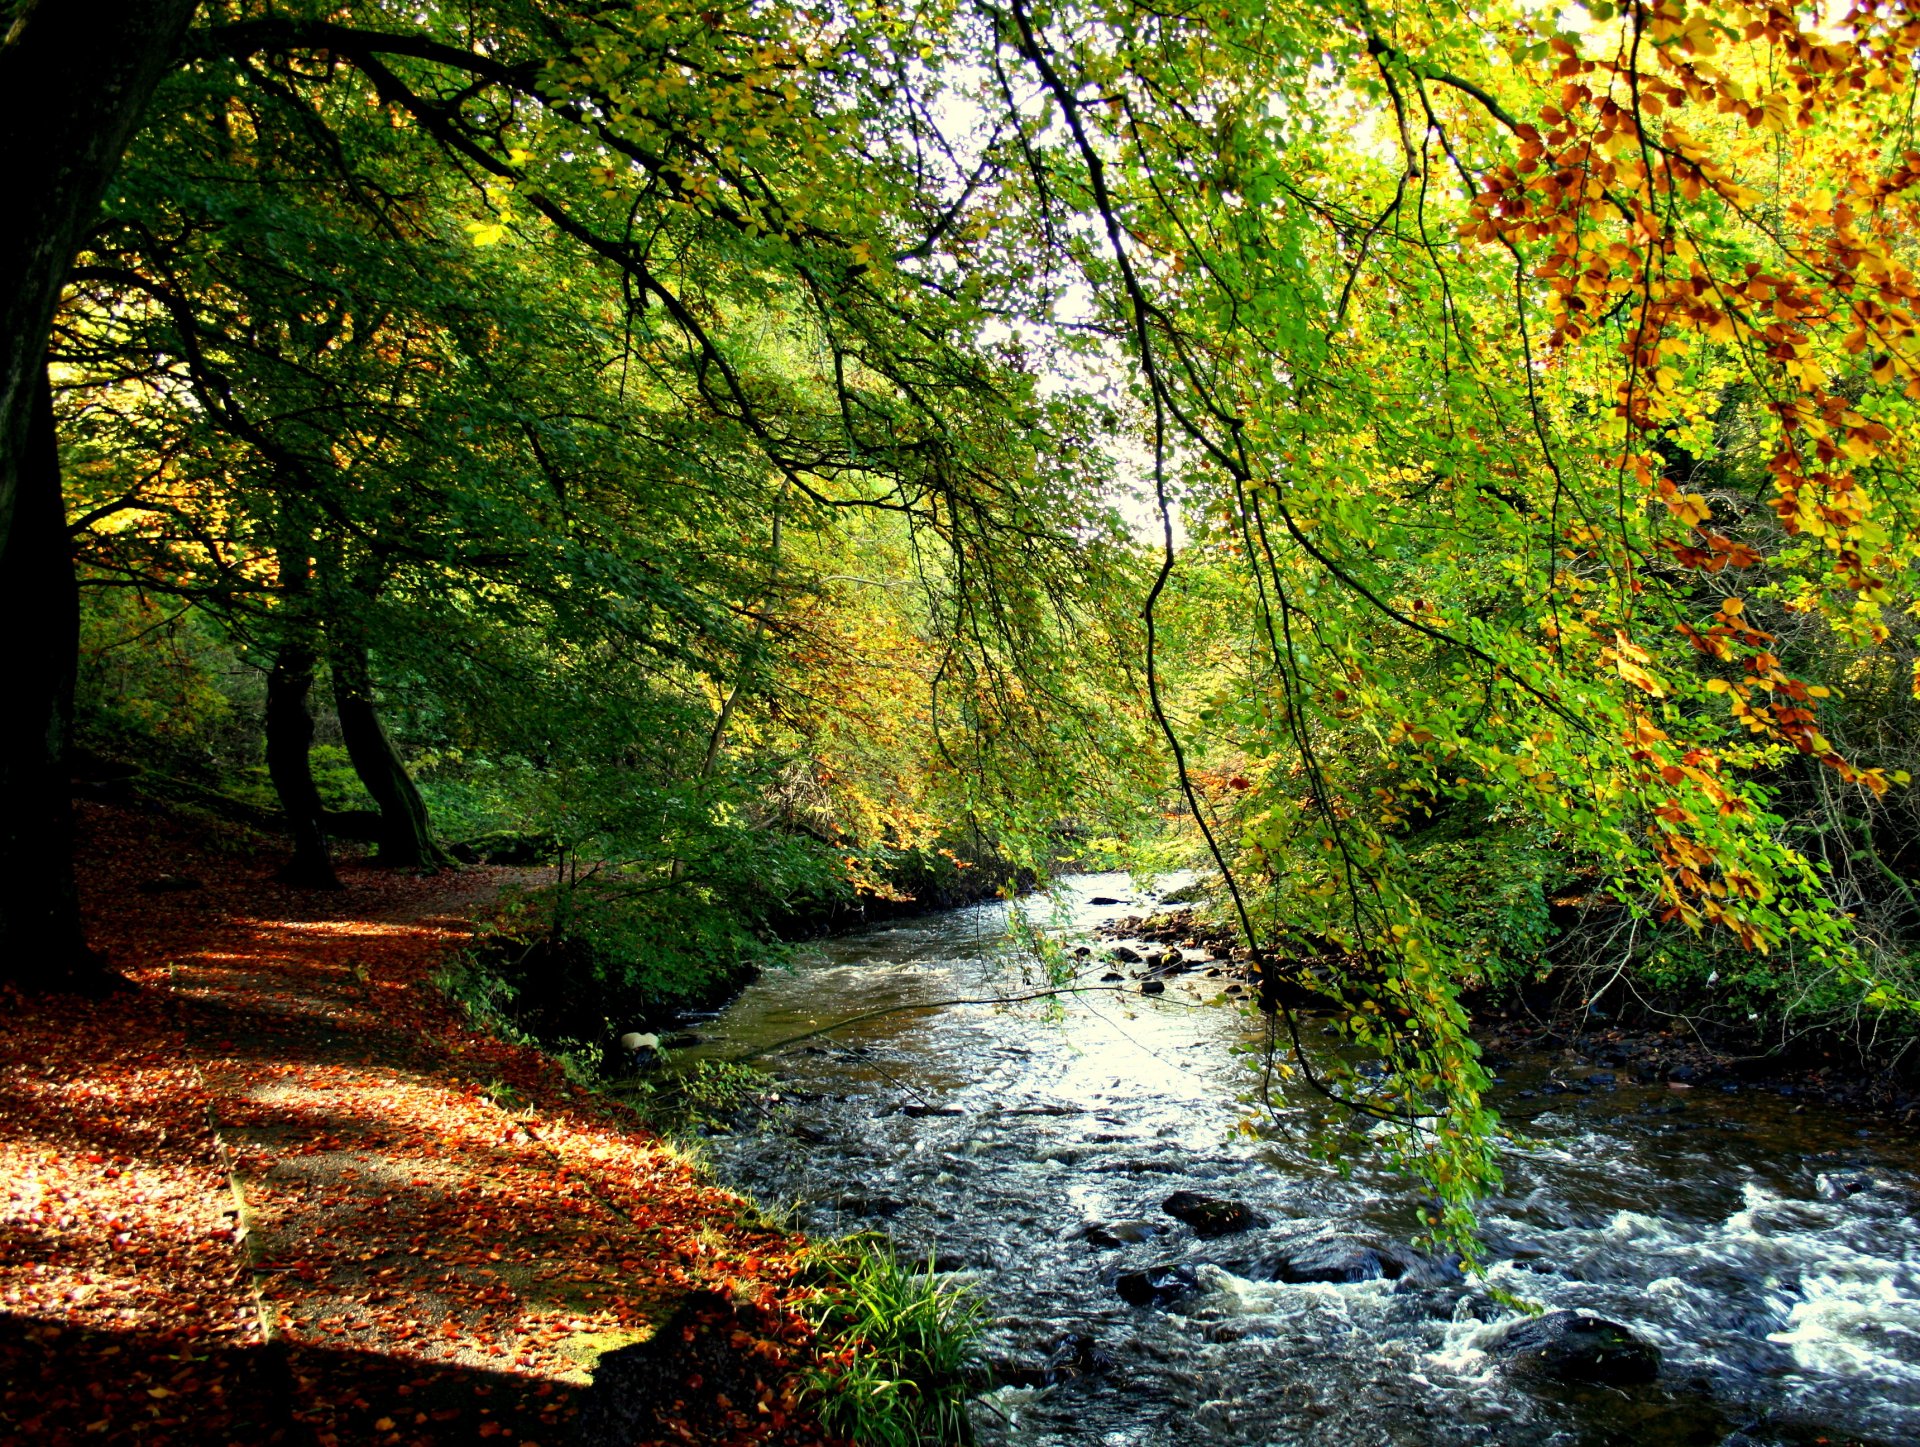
[[280, 1190]]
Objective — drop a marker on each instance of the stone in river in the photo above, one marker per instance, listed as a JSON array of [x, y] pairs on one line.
[[1157, 1285], [1106, 1235], [1335, 1260], [1154, 987], [1105, 899], [1572, 1347], [1125, 955], [1076, 1355], [1211, 1216]]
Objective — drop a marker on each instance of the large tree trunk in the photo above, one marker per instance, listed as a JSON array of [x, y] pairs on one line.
[[40, 937], [74, 78], [289, 718], [406, 833]]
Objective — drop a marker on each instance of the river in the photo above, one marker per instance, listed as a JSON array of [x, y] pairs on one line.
[[1768, 1249]]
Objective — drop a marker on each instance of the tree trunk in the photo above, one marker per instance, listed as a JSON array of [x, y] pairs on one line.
[[74, 78], [289, 719], [406, 834], [290, 765], [40, 936]]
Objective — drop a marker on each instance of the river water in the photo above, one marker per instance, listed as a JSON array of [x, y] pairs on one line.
[[1771, 1253]]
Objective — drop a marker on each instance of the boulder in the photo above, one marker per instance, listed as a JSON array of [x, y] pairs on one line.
[[1210, 1215], [1157, 1285], [1574, 1348], [1153, 987], [1126, 956]]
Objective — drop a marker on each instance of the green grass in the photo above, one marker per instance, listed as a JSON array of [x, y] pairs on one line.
[[899, 1344]]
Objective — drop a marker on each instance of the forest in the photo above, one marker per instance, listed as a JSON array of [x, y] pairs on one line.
[[616, 608]]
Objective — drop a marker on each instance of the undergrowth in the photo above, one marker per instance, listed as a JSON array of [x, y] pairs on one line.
[[896, 1344]]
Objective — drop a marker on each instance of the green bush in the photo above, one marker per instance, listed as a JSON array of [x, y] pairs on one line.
[[898, 1345]]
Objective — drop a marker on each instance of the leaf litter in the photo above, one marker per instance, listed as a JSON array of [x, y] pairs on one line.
[[274, 1191]]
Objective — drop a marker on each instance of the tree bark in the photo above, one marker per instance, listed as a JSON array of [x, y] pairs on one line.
[[406, 832], [74, 78], [41, 941], [290, 766], [289, 718]]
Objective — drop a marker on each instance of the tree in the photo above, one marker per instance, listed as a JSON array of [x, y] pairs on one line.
[[74, 79], [283, 254]]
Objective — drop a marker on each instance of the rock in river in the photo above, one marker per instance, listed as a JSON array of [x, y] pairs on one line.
[[1572, 1347], [1210, 1216], [1335, 1260], [1157, 1285], [1106, 1235]]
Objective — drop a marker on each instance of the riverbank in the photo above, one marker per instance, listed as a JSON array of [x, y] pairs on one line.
[[278, 1188], [1649, 1041]]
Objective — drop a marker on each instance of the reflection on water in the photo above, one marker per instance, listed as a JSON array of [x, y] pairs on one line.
[[1771, 1255]]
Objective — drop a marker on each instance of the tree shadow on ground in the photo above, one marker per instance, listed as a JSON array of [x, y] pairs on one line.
[[78, 1384]]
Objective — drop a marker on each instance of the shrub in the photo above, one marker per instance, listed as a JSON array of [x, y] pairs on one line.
[[898, 1345]]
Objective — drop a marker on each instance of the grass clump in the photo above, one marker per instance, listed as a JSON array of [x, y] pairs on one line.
[[896, 1343]]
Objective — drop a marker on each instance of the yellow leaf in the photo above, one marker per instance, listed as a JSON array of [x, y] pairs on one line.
[[1640, 678], [1690, 508]]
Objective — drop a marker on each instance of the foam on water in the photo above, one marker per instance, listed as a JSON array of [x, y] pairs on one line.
[[1778, 1289]]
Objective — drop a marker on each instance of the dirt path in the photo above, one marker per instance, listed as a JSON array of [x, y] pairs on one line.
[[280, 1191]]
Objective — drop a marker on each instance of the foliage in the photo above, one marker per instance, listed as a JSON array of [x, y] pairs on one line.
[[1520, 386], [719, 426], [897, 1343]]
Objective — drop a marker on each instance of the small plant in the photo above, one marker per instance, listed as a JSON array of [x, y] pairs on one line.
[[897, 1345], [505, 1096], [704, 1094]]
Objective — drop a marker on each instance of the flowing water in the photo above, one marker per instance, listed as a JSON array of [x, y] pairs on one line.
[[1771, 1253]]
